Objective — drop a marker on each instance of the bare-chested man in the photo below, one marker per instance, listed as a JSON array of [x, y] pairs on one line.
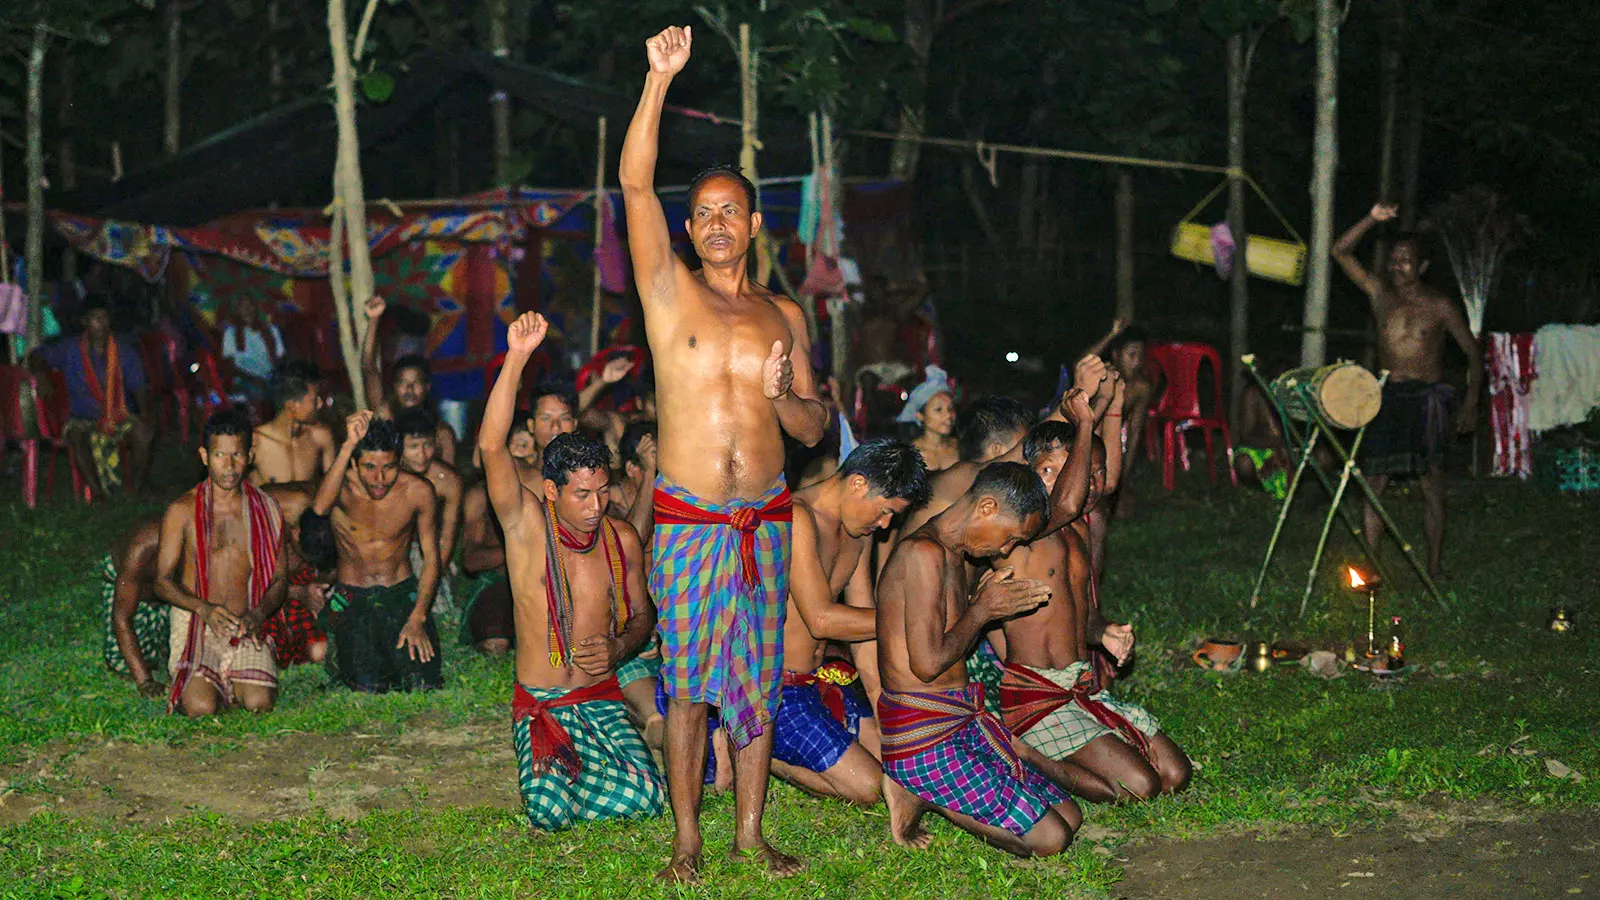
[[1124, 347], [220, 568], [137, 621], [293, 446], [384, 636], [411, 376], [487, 623], [942, 750], [1054, 702], [732, 377], [1409, 435], [578, 613], [827, 740], [419, 455], [631, 498]]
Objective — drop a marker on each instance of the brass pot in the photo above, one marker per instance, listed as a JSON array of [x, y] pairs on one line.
[[1260, 656], [1560, 619]]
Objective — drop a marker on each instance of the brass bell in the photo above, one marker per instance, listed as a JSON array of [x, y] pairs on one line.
[[1560, 619]]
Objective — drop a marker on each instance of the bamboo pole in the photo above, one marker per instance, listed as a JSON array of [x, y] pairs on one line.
[[749, 138], [349, 195], [349, 349], [1325, 160], [1238, 281], [597, 310], [33, 246]]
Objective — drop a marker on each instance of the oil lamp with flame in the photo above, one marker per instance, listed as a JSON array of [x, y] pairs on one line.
[[1364, 584]]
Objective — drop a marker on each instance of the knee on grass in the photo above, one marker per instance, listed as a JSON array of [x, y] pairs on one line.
[[494, 646], [1050, 835]]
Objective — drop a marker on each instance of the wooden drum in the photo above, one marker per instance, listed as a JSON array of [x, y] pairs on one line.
[[1346, 394]]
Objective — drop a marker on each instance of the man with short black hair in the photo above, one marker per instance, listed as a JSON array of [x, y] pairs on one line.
[[220, 567], [419, 452], [384, 636], [294, 445], [103, 374], [942, 750], [411, 380], [827, 739], [577, 577]]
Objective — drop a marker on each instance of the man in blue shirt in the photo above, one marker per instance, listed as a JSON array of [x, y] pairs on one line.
[[103, 374]]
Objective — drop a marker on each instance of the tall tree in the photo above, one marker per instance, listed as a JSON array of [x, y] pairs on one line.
[[1325, 159]]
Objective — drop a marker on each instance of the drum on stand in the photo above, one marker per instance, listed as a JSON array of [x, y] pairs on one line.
[[1346, 394]]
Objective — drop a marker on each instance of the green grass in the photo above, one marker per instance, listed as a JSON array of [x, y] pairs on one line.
[[1279, 747]]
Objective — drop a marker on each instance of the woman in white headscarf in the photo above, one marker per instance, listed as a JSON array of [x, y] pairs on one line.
[[931, 407]]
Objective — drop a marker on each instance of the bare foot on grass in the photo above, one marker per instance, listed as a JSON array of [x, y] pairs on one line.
[[905, 816], [683, 869], [779, 864]]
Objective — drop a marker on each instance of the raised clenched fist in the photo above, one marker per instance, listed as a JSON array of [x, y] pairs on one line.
[[526, 333], [669, 50], [355, 427], [777, 373], [1383, 212], [616, 369], [374, 308]]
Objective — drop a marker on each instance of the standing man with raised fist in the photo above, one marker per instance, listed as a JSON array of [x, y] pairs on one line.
[[732, 378]]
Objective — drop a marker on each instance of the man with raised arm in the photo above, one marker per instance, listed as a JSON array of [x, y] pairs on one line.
[[384, 636], [1052, 693], [732, 378], [411, 382], [1409, 435], [942, 750], [220, 567], [577, 578]]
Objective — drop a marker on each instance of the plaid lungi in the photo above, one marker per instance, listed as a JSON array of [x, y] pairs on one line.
[[292, 630], [367, 622], [644, 663], [591, 765], [1059, 711], [221, 660], [945, 748], [105, 447], [149, 625], [820, 717], [720, 581]]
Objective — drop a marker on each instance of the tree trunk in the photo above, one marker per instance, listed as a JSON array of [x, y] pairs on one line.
[[1411, 156], [171, 121], [274, 55], [1125, 245], [33, 248], [499, 101], [1325, 158], [1238, 281], [349, 194], [914, 109], [66, 165]]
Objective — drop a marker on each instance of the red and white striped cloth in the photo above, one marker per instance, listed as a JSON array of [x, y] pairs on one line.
[[1513, 369]]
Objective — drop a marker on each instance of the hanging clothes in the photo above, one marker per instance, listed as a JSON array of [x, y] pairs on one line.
[[1513, 369], [1568, 386]]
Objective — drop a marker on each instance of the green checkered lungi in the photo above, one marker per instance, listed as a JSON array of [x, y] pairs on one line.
[[984, 667], [150, 624], [619, 778], [1070, 728], [644, 664]]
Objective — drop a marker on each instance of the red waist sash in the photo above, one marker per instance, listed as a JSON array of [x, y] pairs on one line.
[[1026, 697], [548, 742]]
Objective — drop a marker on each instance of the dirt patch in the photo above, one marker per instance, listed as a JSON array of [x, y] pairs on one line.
[[255, 779], [1412, 857]]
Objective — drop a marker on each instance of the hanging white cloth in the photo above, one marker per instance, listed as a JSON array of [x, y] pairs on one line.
[[1568, 387]]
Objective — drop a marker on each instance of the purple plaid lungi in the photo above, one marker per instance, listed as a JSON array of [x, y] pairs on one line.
[[945, 748]]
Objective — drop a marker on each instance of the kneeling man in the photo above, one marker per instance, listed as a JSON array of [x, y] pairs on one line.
[[941, 749], [826, 740], [578, 590], [219, 566], [1096, 746]]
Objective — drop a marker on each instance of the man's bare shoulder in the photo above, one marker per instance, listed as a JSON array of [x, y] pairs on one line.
[[444, 477], [631, 544], [914, 550], [321, 434], [415, 488], [266, 432], [956, 480]]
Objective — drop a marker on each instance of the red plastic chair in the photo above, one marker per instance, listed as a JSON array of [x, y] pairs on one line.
[[174, 379], [1178, 410], [537, 370], [36, 424]]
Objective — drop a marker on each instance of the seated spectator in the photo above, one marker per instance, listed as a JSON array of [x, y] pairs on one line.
[[254, 345], [103, 373]]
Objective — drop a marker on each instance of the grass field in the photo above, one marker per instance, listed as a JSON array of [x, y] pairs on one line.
[[334, 795]]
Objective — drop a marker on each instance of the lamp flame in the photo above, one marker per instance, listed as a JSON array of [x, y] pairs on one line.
[[1356, 581]]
